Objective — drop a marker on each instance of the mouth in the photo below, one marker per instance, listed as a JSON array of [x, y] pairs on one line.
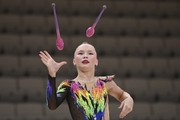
[[85, 61]]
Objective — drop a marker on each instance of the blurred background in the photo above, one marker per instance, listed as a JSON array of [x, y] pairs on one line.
[[137, 40]]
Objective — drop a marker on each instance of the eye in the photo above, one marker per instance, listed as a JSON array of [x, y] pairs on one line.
[[80, 53], [91, 53]]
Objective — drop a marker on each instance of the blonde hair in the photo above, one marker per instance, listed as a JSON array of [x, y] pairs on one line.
[[86, 43]]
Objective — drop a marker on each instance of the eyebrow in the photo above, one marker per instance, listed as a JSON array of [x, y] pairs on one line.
[[83, 51]]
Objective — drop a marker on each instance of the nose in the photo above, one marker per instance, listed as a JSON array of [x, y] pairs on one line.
[[85, 56]]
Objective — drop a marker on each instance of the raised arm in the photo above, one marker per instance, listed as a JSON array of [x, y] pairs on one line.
[[53, 99], [122, 96]]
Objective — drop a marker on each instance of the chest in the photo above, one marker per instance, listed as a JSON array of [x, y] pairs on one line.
[[90, 99], [91, 93]]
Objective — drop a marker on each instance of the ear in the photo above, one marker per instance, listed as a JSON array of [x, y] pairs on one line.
[[74, 62], [96, 62]]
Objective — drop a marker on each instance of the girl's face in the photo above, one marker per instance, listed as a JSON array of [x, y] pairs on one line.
[[85, 57]]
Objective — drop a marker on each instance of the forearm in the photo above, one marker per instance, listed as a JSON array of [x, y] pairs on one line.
[[51, 98]]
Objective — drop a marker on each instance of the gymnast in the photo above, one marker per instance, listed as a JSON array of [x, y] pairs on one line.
[[86, 94]]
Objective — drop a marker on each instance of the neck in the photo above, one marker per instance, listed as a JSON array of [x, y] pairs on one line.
[[85, 76]]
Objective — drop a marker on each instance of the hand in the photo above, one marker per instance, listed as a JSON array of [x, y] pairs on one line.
[[127, 106], [52, 65]]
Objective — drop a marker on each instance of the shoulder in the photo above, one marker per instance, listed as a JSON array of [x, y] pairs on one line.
[[107, 78], [65, 82], [64, 85]]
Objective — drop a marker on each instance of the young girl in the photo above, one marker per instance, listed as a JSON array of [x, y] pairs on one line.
[[87, 94]]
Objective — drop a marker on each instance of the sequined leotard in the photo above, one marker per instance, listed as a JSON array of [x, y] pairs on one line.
[[83, 104]]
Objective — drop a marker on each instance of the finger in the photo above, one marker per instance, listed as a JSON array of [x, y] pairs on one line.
[[122, 104], [123, 113], [42, 53], [43, 56], [44, 61], [47, 54], [62, 63]]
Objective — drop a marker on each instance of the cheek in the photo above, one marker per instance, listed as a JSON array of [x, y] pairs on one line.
[[77, 58], [93, 59]]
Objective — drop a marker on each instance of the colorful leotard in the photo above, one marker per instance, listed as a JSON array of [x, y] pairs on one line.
[[83, 104]]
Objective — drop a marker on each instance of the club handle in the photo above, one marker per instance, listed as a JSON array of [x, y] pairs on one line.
[[56, 20], [100, 14]]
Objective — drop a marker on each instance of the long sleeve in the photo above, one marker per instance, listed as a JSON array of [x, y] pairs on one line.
[[55, 97]]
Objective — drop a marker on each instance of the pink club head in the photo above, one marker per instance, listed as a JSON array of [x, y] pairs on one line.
[[59, 40], [90, 32], [59, 43]]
